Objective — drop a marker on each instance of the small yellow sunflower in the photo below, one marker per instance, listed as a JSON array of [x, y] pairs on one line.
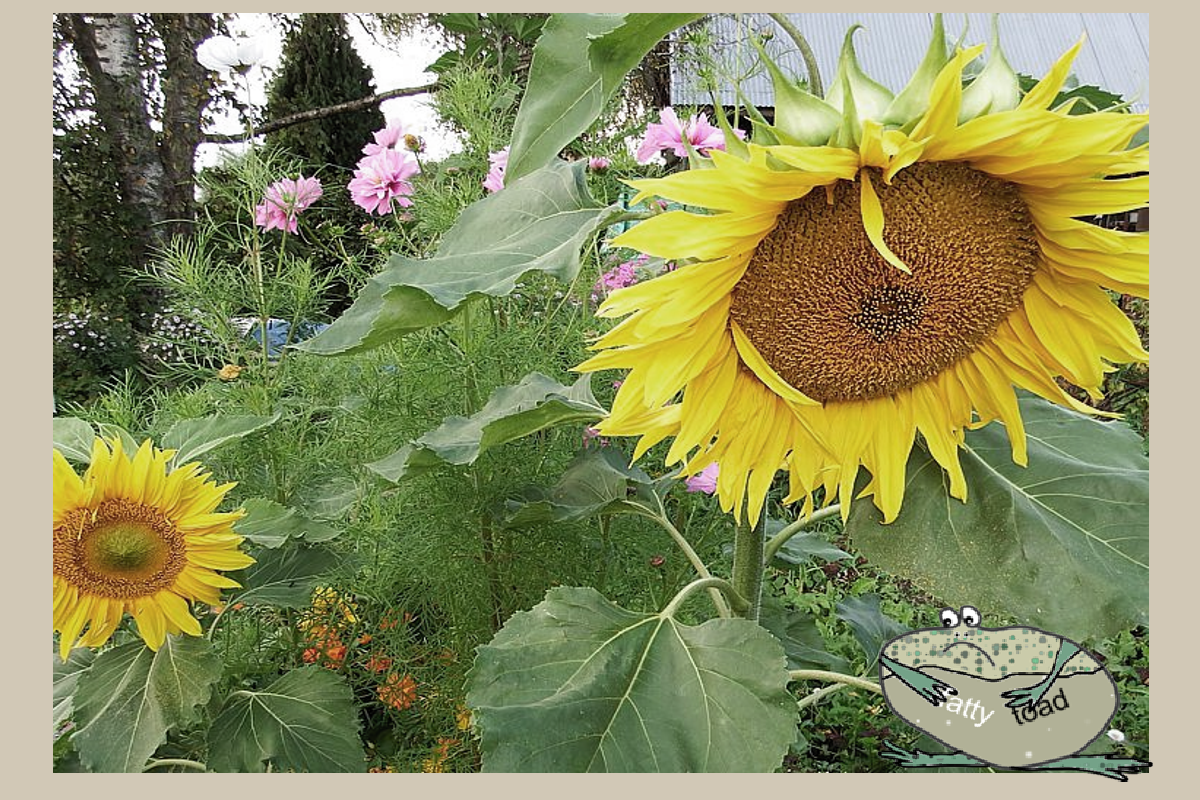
[[131, 536], [890, 266]]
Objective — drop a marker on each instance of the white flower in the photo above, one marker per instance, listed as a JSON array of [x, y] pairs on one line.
[[1116, 736], [221, 53]]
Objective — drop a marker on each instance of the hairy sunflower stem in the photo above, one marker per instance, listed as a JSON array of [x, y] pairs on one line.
[[175, 762], [810, 60], [836, 677], [818, 694], [693, 558], [748, 564], [780, 539], [718, 585]]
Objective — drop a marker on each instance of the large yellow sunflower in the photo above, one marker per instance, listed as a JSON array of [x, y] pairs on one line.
[[896, 266], [131, 536]]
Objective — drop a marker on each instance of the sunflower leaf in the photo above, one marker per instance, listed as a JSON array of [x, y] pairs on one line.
[[73, 437], [192, 438], [565, 92], [305, 722], [536, 403], [798, 633], [270, 524], [66, 678], [285, 577], [110, 431], [803, 547], [131, 696], [598, 481], [538, 223], [1062, 544], [578, 684]]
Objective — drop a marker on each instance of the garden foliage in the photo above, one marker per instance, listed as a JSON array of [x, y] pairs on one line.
[[455, 571]]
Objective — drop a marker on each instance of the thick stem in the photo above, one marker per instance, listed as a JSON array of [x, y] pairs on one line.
[[748, 562], [836, 677], [780, 539], [810, 60], [718, 585]]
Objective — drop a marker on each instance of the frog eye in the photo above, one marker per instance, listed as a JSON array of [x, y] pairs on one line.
[[949, 618], [970, 616]]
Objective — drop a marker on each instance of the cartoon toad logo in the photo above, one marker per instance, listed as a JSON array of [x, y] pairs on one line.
[[1018, 698]]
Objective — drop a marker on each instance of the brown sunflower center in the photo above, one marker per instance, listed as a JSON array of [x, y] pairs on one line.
[[837, 322], [120, 549]]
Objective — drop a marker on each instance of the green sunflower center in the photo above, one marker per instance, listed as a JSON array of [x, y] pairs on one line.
[[839, 323], [121, 549]]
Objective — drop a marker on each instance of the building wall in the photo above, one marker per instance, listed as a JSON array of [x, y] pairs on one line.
[[1115, 56]]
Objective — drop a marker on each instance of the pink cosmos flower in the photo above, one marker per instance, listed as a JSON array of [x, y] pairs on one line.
[[705, 480], [620, 276], [494, 181], [385, 139], [598, 163], [590, 434], [383, 178], [670, 134], [283, 202]]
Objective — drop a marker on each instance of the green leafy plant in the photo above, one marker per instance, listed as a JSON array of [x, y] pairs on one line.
[[455, 570]]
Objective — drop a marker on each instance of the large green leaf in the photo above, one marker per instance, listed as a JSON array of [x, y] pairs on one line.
[[73, 437], [131, 696], [192, 438], [270, 524], [536, 403], [1062, 544], [578, 684], [538, 223], [304, 722], [285, 577], [66, 678], [597, 481], [566, 90]]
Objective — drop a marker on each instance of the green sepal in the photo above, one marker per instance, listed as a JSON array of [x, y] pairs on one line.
[[733, 145], [801, 118], [852, 89], [996, 88], [913, 101], [849, 133]]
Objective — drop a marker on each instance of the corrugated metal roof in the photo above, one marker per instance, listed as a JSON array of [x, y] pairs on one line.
[[1115, 57]]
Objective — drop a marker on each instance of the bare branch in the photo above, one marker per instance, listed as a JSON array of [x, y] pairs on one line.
[[319, 113]]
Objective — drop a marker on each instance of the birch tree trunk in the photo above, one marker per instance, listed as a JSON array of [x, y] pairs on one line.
[[107, 45]]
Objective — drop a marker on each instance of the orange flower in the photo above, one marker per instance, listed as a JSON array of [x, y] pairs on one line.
[[388, 622], [378, 663], [397, 692], [324, 642], [437, 762]]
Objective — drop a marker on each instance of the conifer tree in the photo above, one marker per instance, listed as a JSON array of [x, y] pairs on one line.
[[320, 68]]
